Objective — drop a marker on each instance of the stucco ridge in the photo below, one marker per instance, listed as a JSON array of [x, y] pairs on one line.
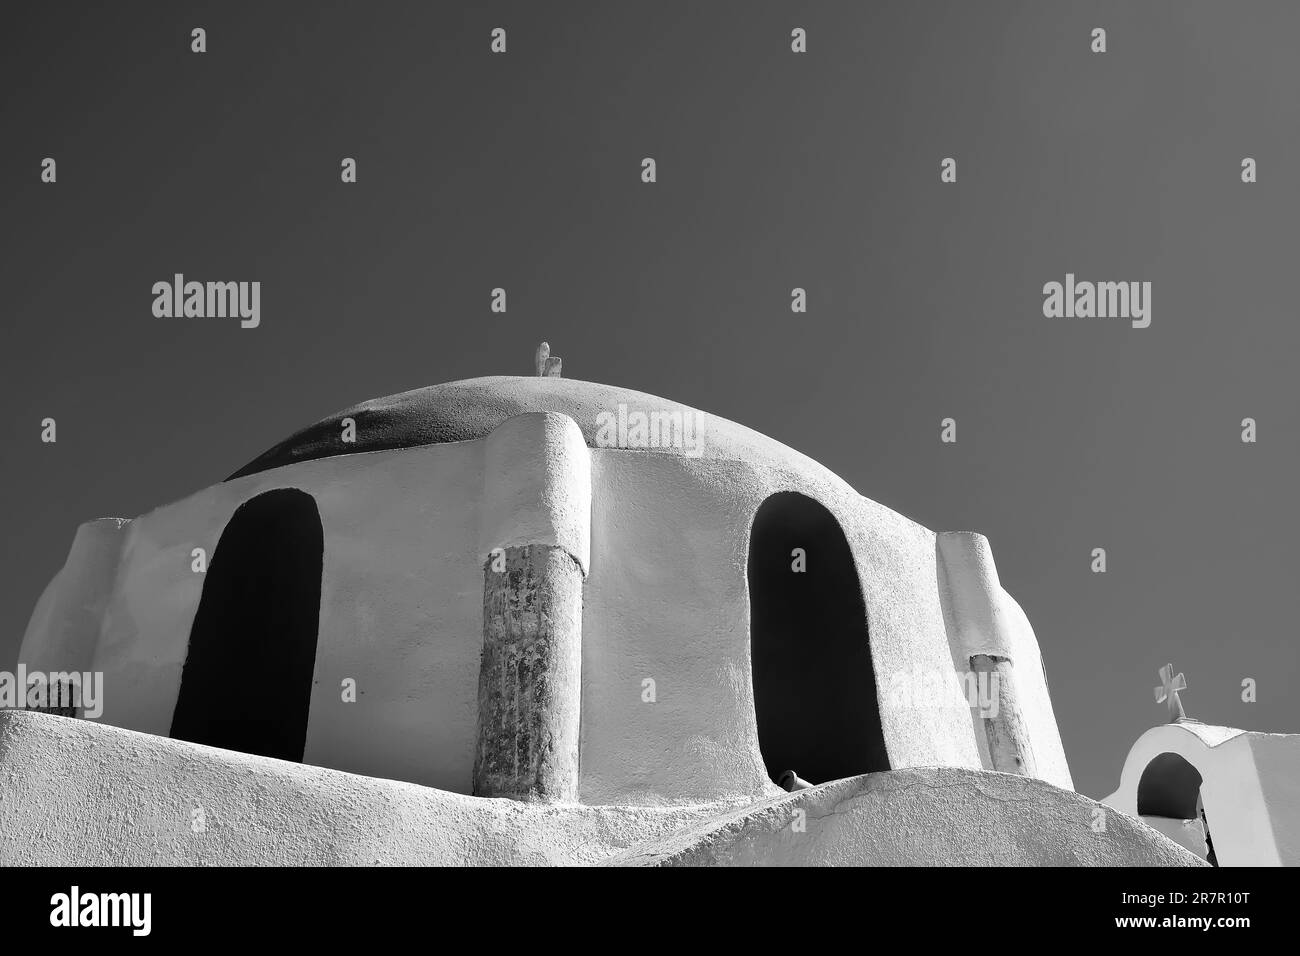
[[1216, 735], [745, 835], [993, 784]]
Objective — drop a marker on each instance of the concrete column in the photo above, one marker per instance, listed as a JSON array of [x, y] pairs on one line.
[[982, 641], [536, 545], [983, 619], [1004, 726], [63, 633], [973, 593]]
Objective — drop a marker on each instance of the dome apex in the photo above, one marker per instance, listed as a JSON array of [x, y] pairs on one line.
[[472, 408]]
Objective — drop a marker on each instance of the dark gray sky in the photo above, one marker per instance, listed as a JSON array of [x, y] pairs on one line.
[[775, 170]]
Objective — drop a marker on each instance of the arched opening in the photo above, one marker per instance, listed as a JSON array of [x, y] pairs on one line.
[[814, 684], [1170, 787], [247, 680]]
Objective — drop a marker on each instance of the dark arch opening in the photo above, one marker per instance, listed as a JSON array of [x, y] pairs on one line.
[[814, 684], [1169, 787], [247, 679]]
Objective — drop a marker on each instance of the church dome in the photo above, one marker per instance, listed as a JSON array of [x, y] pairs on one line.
[[472, 408], [522, 566]]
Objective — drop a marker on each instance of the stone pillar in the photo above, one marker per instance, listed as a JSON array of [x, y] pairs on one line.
[[535, 545], [529, 696], [1004, 726]]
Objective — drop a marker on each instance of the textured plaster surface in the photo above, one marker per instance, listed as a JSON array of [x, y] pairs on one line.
[[1009, 746], [919, 817], [1250, 788], [73, 793], [529, 689]]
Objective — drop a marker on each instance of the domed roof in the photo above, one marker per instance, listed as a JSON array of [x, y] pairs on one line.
[[468, 409]]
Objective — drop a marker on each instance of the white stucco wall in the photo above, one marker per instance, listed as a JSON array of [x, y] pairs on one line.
[[401, 609], [667, 600], [1277, 760], [1189, 834]]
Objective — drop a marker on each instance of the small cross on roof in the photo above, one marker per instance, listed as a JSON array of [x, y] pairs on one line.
[[1167, 692]]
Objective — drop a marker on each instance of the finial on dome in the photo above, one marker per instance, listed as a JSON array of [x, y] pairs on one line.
[[546, 363]]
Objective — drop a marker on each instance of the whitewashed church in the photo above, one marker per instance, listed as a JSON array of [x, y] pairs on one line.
[[476, 624]]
